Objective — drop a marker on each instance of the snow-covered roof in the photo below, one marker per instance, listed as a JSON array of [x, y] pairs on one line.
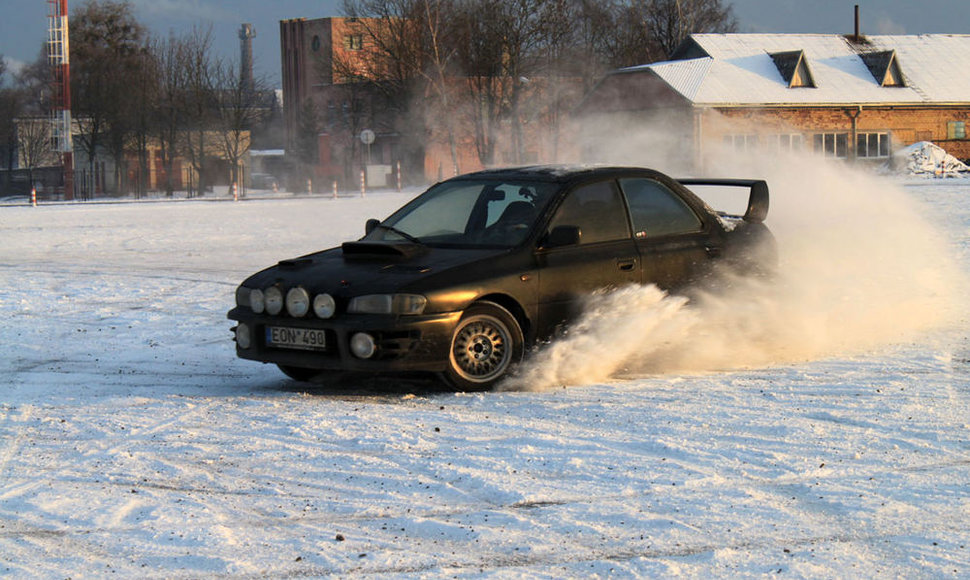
[[746, 69]]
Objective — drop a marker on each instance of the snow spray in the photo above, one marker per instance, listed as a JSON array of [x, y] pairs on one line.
[[860, 267]]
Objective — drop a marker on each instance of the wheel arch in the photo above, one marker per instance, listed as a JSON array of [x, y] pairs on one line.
[[514, 308]]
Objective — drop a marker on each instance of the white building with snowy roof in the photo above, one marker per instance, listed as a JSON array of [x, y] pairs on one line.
[[839, 96]]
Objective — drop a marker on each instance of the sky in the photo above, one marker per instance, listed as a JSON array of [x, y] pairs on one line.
[[23, 23]]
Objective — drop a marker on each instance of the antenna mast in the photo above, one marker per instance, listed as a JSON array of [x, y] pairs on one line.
[[58, 55]]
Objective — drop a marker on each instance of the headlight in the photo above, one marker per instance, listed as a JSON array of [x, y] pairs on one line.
[[273, 298], [324, 306], [297, 302], [388, 304], [256, 301]]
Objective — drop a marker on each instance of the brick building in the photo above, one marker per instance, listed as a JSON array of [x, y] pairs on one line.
[[325, 108], [854, 98]]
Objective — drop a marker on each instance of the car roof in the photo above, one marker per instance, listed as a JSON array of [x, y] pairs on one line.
[[555, 173]]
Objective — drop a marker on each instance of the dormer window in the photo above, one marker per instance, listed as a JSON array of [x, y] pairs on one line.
[[794, 69], [884, 68]]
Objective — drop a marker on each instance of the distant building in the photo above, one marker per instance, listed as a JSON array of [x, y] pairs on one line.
[[342, 114], [326, 107], [853, 98]]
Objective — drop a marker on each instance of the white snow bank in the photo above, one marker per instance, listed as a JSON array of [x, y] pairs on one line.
[[927, 159]]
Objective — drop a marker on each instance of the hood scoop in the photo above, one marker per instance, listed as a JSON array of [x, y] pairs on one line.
[[380, 250]]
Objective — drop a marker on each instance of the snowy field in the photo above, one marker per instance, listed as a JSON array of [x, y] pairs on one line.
[[819, 430]]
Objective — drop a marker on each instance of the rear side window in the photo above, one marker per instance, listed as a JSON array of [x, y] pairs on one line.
[[597, 209], [656, 210]]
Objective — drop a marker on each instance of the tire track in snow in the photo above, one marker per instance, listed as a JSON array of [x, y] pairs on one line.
[[14, 442]]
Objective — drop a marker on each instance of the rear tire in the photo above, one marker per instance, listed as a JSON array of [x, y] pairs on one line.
[[486, 345]]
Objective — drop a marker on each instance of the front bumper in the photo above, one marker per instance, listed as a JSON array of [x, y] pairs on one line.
[[404, 343]]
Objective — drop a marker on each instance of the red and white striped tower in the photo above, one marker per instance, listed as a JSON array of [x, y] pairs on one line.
[[58, 54]]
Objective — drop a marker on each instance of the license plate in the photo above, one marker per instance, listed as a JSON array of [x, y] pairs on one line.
[[296, 338]]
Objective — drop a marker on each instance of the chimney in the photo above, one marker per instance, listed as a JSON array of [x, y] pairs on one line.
[[246, 34], [857, 37]]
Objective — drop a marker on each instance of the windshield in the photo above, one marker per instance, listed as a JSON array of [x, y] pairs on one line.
[[490, 213]]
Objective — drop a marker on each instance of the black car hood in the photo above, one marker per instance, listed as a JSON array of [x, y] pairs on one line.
[[358, 268]]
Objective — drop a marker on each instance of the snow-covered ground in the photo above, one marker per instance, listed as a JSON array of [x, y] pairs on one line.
[[135, 444]]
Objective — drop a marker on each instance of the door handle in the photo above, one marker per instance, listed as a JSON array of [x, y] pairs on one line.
[[626, 264]]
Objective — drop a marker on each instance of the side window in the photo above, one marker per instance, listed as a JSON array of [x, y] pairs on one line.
[[656, 210], [598, 211]]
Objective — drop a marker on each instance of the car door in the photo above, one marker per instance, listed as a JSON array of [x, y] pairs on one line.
[[605, 257], [674, 243]]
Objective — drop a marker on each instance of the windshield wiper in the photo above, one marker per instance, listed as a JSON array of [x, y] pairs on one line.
[[404, 235]]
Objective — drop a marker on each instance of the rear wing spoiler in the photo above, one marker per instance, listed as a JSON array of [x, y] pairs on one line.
[[757, 197]]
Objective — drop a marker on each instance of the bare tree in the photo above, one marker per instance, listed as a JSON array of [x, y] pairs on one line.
[[34, 144], [670, 22], [498, 46], [140, 115], [105, 40], [30, 124], [168, 58], [11, 104], [199, 100], [240, 110], [305, 145], [519, 61], [391, 67], [439, 55]]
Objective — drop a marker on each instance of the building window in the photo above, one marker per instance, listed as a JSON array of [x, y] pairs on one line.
[[741, 142], [785, 142], [354, 41], [871, 145], [956, 130], [315, 43], [832, 145]]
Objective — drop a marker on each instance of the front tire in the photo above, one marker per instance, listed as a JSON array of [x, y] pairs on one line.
[[299, 373], [486, 345]]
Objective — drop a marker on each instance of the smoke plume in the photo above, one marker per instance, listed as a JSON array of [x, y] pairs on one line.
[[861, 267]]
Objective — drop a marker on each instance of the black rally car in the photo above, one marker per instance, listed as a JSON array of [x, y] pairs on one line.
[[466, 277]]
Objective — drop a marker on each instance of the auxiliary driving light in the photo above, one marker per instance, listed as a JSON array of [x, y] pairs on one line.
[[297, 302], [243, 337], [273, 297], [362, 345], [324, 306], [256, 301]]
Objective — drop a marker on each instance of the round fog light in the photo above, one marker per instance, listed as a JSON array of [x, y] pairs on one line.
[[324, 306], [362, 345], [297, 302], [243, 336], [273, 300], [256, 301]]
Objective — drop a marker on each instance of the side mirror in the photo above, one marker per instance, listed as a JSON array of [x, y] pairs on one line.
[[371, 225], [563, 236]]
